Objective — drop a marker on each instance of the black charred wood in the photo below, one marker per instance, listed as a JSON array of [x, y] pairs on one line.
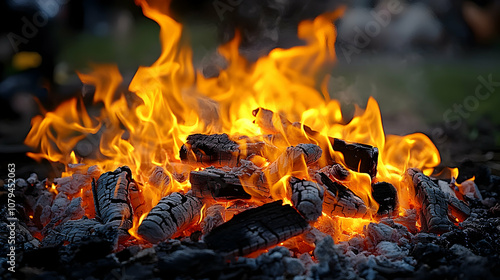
[[112, 200], [339, 200], [172, 214], [217, 184], [256, 228], [216, 150], [433, 203], [386, 195], [358, 157], [307, 198]]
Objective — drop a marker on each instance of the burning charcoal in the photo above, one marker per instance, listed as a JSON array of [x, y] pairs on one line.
[[111, 198], [307, 198], [216, 184], [159, 179], [386, 196], [137, 200], [172, 214], [71, 231], [433, 203], [339, 200], [336, 171], [216, 150], [214, 217], [292, 161], [358, 157], [257, 228]]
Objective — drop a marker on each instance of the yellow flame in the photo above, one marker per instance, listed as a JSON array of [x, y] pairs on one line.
[[145, 126]]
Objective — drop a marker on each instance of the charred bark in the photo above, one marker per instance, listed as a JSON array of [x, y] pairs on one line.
[[339, 200], [217, 184], [172, 214], [307, 198], [216, 150], [111, 198], [255, 229], [71, 231], [433, 203]]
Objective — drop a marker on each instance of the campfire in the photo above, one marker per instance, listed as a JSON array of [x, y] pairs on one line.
[[253, 163]]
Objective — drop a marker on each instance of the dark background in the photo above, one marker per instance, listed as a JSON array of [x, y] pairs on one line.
[[427, 60]]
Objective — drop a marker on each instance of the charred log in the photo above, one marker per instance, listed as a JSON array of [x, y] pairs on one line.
[[172, 214], [214, 216], [257, 228], [111, 198], [339, 200], [386, 196], [216, 150], [217, 184], [71, 231], [159, 179], [433, 203], [292, 162], [358, 157], [336, 171], [307, 198]]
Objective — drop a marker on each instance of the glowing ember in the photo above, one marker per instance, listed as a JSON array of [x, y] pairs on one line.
[[146, 127]]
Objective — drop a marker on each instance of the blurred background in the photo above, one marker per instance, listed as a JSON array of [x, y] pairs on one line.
[[433, 66]]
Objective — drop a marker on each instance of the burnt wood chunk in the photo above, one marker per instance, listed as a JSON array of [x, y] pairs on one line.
[[216, 150], [173, 213], [337, 171], [217, 184], [386, 195], [358, 157], [433, 203], [111, 198], [292, 162], [339, 200], [214, 216], [307, 198], [256, 228], [71, 231]]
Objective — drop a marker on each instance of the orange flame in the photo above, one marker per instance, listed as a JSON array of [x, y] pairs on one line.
[[145, 126]]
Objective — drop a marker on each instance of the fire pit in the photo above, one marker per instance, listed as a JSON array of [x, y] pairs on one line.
[[253, 174]]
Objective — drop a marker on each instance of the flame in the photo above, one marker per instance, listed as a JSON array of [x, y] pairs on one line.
[[145, 125]]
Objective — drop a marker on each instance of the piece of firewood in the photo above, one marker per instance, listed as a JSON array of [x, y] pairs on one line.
[[217, 184], [214, 216], [217, 150], [172, 214], [358, 157], [335, 171], [256, 228], [339, 200], [433, 204], [111, 198], [71, 231], [386, 195], [307, 198], [291, 162], [160, 180]]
